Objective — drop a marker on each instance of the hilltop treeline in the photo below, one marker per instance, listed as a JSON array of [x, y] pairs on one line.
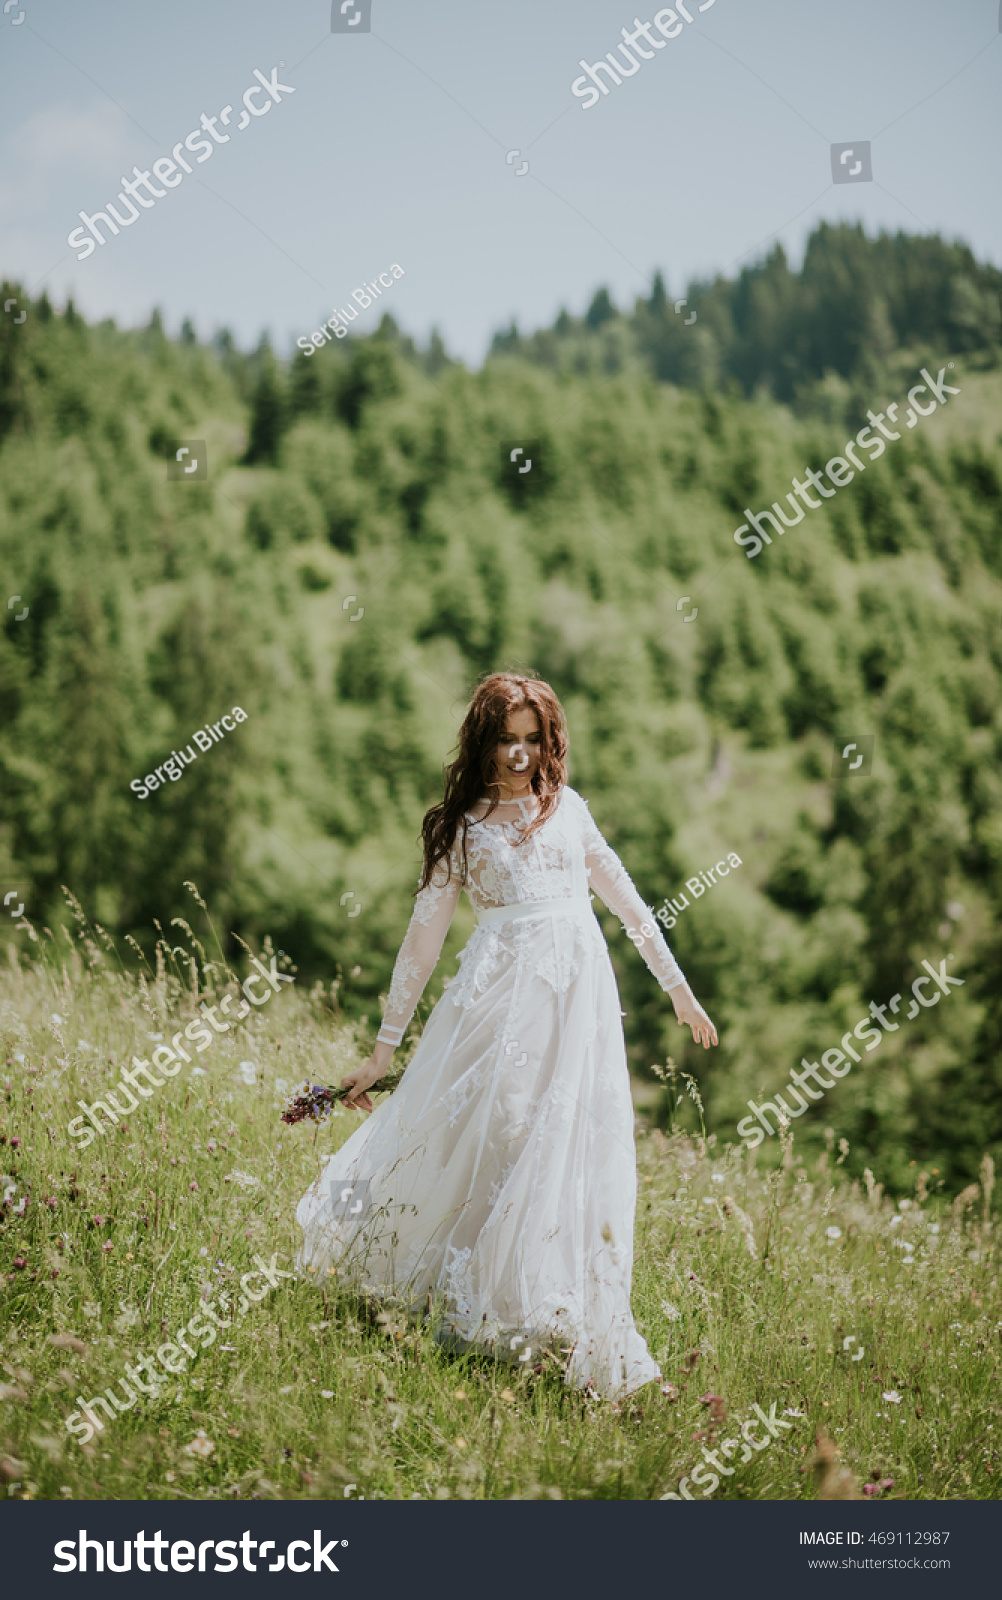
[[853, 312], [363, 549]]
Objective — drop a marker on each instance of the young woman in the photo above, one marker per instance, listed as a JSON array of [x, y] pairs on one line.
[[499, 1180]]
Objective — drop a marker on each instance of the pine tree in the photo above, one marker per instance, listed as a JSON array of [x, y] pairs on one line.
[[268, 414]]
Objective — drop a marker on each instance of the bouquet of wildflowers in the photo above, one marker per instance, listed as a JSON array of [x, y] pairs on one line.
[[316, 1101]]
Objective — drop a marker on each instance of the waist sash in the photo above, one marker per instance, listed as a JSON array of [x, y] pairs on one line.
[[535, 908]]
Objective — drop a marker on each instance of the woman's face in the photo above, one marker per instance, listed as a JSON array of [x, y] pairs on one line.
[[517, 754]]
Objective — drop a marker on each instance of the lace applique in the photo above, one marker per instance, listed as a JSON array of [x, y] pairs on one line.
[[519, 1126], [426, 903], [404, 972], [611, 881], [457, 1285], [460, 1094], [498, 1186], [559, 968], [561, 965], [477, 963], [491, 882]]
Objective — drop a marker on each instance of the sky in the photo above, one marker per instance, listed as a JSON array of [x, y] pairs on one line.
[[445, 139]]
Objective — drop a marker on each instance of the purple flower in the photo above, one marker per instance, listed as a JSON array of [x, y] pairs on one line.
[[317, 1100], [316, 1103]]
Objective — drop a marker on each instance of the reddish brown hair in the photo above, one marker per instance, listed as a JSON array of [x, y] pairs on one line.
[[472, 774]]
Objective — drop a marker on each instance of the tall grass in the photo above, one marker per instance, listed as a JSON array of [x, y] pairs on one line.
[[748, 1283]]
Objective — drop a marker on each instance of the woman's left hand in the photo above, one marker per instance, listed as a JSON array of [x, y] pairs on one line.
[[690, 1013]]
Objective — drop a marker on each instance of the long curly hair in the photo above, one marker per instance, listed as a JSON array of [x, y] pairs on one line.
[[472, 775]]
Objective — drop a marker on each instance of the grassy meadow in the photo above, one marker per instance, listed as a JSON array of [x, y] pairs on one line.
[[748, 1283]]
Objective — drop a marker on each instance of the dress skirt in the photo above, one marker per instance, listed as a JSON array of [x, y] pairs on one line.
[[500, 1176]]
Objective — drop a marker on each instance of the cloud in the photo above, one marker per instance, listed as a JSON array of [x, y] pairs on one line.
[[66, 142]]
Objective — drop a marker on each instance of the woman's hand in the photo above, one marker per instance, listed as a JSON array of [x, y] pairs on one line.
[[690, 1013], [360, 1080]]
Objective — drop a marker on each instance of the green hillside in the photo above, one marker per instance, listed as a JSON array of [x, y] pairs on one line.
[[363, 548]]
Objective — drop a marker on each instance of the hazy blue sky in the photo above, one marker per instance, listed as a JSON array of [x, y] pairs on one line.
[[393, 150]]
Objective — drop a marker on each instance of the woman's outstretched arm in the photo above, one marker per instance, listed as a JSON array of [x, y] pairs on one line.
[[614, 886], [429, 924]]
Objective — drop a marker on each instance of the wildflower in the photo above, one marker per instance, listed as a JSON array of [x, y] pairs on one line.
[[893, 1396], [718, 1410], [669, 1391], [246, 1180], [107, 1246], [317, 1101], [98, 1221], [459, 1394], [15, 1144], [460, 1444], [506, 1394], [57, 1019], [203, 1251], [934, 1227], [327, 1394], [192, 1186], [870, 1489], [201, 1445], [833, 1233], [792, 1411], [198, 1072], [248, 1071], [20, 1262], [129, 1256]]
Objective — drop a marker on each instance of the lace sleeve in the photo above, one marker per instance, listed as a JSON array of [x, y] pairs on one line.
[[429, 924], [614, 886]]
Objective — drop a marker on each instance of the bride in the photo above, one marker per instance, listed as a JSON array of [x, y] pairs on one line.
[[499, 1180]]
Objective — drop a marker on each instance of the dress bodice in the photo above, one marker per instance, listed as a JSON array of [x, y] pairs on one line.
[[567, 858], [503, 867]]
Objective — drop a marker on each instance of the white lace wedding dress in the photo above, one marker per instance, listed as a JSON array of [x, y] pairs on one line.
[[500, 1176]]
